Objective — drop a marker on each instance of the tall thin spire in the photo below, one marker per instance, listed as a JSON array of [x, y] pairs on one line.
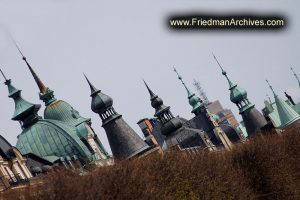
[[46, 94], [231, 85], [152, 95], [194, 100], [180, 78], [156, 102], [93, 89], [271, 87], [42, 87], [3, 75], [296, 76]]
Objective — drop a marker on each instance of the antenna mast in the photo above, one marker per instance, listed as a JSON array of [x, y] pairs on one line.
[[201, 92]]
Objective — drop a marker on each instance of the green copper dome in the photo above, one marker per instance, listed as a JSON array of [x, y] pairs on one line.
[[237, 94], [62, 111], [215, 117], [195, 102], [55, 109], [48, 138], [44, 137]]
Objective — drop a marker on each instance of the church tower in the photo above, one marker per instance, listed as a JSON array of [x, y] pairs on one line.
[[123, 140], [200, 110], [254, 121]]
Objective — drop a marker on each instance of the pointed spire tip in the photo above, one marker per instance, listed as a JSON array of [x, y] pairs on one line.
[[183, 83], [223, 71], [3, 75], [87, 79], [213, 55], [271, 87], [152, 95], [42, 87], [93, 89]]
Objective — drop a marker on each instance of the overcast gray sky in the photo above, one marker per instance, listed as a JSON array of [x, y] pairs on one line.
[[117, 43]]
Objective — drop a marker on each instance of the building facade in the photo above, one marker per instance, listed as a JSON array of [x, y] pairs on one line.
[[225, 115], [13, 168]]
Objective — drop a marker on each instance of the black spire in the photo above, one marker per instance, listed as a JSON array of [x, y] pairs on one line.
[[123, 140], [101, 103], [156, 102], [94, 90], [163, 113], [152, 95]]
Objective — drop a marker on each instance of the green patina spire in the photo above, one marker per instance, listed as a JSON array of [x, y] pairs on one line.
[[194, 100], [180, 78], [231, 85], [24, 110], [269, 98], [286, 113], [271, 88], [46, 94], [55, 109], [296, 76], [237, 94]]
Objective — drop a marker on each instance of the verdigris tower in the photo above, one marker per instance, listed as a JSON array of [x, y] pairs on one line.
[[287, 114], [49, 139], [254, 121], [25, 112], [123, 140], [201, 111], [63, 112]]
